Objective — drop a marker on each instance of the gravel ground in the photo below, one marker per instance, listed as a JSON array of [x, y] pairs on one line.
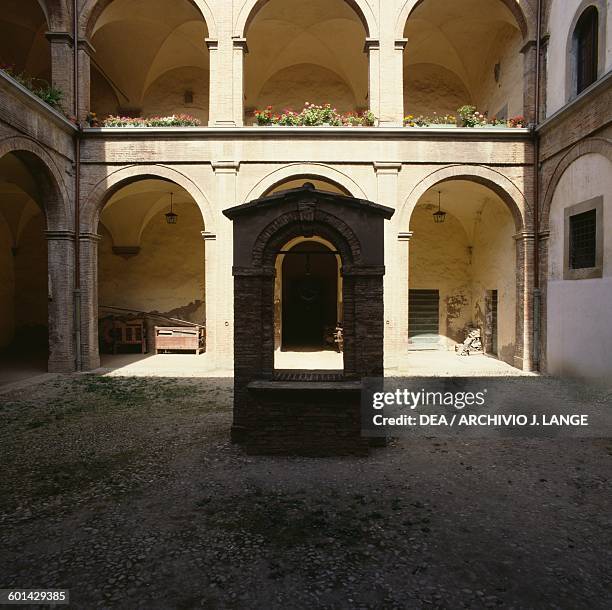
[[127, 492]]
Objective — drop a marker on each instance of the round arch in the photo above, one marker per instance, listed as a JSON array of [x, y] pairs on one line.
[[109, 185], [591, 146], [510, 194], [250, 8], [56, 206], [307, 170], [523, 21], [92, 10], [56, 14]]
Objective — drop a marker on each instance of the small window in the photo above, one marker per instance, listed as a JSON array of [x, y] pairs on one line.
[[586, 48], [583, 242]]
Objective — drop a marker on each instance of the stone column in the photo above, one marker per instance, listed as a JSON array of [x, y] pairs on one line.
[[60, 254], [62, 74], [372, 48], [220, 283], [387, 179], [90, 354], [523, 358], [239, 51]]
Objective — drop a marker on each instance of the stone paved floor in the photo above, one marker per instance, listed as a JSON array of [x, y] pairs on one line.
[[127, 492]]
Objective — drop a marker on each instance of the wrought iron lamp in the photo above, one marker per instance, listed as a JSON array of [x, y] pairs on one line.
[[171, 217], [439, 216]]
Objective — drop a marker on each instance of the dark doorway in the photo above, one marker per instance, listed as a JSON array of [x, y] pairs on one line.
[[423, 319], [309, 297], [494, 322]]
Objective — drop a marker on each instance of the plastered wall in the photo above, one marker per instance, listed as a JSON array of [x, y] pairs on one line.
[[438, 260], [493, 268], [464, 259], [561, 21], [166, 276], [579, 334]]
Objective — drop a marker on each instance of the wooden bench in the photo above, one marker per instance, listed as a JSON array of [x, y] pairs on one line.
[[179, 338]]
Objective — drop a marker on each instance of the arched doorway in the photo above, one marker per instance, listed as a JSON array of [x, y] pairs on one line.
[[151, 60], [23, 269], [305, 52], [462, 270], [308, 296], [151, 268]]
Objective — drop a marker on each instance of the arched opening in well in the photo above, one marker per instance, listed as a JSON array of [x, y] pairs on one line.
[[308, 308], [462, 271], [463, 53], [150, 269], [151, 60], [23, 269], [305, 52]]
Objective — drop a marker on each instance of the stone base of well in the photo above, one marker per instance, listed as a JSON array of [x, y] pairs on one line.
[[313, 418]]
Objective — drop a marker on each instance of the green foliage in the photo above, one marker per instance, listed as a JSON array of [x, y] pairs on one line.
[[314, 115], [39, 87], [178, 120]]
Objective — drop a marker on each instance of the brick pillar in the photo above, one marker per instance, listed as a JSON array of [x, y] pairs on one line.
[[387, 180], [392, 87], [523, 358], [219, 283], [85, 53], [403, 262], [62, 75], [543, 242], [529, 78], [364, 349], [90, 355], [252, 286], [60, 254], [240, 49], [372, 48], [215, 100]]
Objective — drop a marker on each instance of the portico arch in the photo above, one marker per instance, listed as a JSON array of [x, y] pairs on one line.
[[250, 8], [36, 256], [308, 171]]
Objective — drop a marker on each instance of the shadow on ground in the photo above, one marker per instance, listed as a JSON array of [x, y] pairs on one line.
[[127, 492]]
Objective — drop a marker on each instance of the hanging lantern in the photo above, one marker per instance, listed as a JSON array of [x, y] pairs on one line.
[[171, 217], [439, 216]]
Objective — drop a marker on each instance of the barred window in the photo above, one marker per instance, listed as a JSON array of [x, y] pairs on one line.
[[583, 240]]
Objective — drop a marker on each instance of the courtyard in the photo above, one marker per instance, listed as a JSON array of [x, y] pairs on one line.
[[127, 491]]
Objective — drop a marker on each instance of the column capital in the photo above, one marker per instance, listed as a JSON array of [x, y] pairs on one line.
[[400, 44], [240, 43], [544, 235], [524, 235], [387, 167], [371, 44], [208, 236], [405, 235], [61, 235], [528, 46], [85, 45], [91, 237], [65, 37], [211, 43], [225, 167]]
